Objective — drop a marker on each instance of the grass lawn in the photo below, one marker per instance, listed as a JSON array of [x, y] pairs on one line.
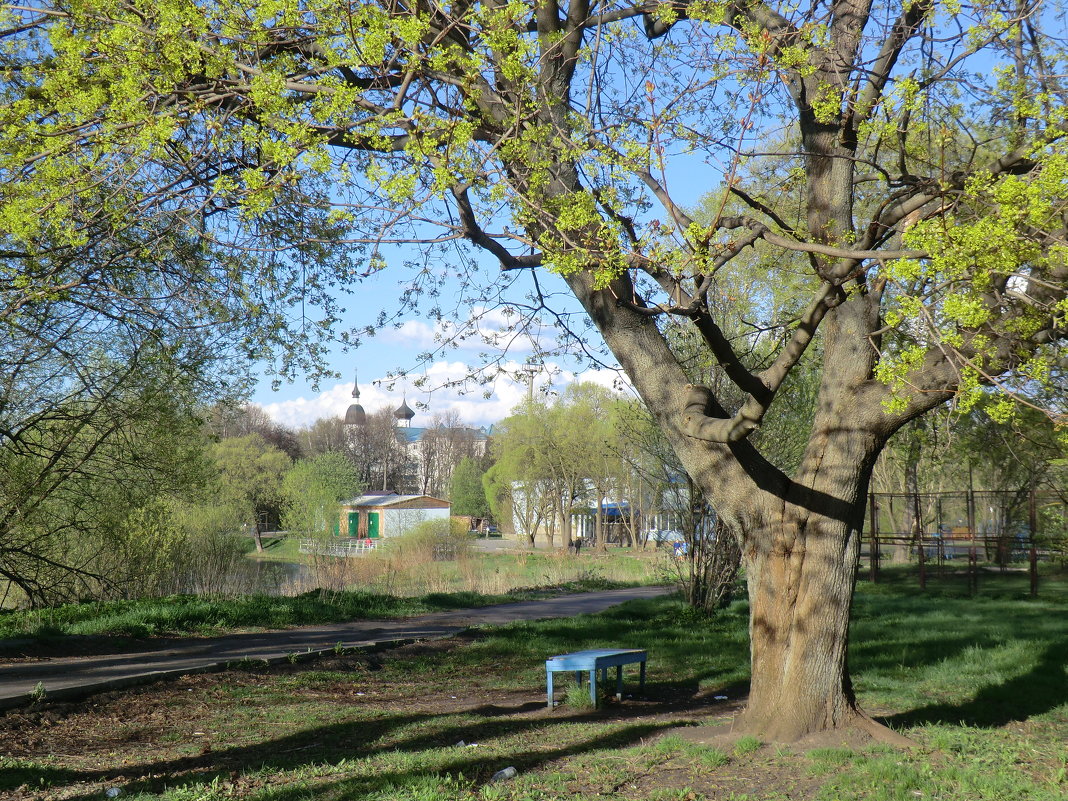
[[979, 683]]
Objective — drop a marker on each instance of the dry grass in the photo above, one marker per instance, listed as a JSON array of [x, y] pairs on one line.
[[414, 569]]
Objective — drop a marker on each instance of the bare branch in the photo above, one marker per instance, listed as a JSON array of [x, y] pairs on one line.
[[815, 247], [701, 425], [479, 237], [906, 27], [681, 218]]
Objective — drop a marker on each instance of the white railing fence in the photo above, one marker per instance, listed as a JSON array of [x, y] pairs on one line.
[[355, 547]]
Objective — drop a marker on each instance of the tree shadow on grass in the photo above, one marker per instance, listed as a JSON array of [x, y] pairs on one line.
[[286, 754], [283, 753], [1041, 689], [33, 776]]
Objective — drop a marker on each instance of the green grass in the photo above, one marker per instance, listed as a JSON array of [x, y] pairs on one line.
[[746, 746], [943, 656], [189, 614], [979, 684], [282, 549], [952, 582], [957, 763]]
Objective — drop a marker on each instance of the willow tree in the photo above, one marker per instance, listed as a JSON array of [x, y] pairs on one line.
[[911, 183]]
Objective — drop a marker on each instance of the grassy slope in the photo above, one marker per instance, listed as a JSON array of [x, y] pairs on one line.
[[980, 683]]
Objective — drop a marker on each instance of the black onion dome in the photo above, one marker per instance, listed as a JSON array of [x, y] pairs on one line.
[[355, 415], [404, 411]]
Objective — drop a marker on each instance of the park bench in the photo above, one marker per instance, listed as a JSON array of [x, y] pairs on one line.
[[598, 659]]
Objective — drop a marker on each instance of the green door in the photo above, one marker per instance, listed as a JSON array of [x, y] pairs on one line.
[[354, 524], [372, 525]]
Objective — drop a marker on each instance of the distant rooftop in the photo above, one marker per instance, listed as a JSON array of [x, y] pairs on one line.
[[378, 499], [416, 433]]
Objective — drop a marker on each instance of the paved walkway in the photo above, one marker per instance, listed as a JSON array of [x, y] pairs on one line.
[[73, 677]]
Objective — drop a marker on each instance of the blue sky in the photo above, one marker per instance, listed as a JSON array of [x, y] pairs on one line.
[[429, 386]]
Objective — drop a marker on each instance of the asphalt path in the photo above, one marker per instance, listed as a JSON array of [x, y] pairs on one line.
[[64, 678]]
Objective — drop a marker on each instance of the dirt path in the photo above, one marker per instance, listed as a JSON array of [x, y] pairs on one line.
[[64, 677]]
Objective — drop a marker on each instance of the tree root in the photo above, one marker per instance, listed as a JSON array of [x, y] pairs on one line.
[[858, 732], [883, 734]]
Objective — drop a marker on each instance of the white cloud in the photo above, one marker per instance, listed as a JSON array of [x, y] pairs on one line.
[[444, 387], [485, 328], [411, 333]]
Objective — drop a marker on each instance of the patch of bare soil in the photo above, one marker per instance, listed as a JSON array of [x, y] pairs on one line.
[[759, 775]]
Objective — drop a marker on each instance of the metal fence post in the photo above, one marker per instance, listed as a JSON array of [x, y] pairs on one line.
[[1032, 513], [873, 533], [923, 564]]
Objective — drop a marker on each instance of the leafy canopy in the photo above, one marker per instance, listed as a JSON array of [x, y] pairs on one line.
[[919, 156]]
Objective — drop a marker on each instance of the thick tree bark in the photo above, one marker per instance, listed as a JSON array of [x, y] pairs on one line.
[[800, 593]]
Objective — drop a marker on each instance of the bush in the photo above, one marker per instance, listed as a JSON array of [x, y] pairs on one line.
[[433, 541]]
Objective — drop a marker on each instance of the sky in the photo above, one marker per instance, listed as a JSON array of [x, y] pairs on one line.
[[455, 380], [299, 408]]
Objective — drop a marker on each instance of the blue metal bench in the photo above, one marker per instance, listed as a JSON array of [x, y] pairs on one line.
[[598, 659]]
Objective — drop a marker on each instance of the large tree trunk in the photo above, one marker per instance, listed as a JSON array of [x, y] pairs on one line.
[[800, 592], [801, 562]]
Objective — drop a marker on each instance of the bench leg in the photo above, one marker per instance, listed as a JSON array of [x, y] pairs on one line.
[[619, 682], [593, 687], [549, 687]]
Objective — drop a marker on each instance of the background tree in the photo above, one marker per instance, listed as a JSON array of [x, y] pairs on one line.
[[106, 320], [921, 174], [250, 473], [380, 456], [465, 490], [445, 442], [518, 484], [75, 472], [583, 449], [559, 456], [228, 420], [312, 491], [325, 435]]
